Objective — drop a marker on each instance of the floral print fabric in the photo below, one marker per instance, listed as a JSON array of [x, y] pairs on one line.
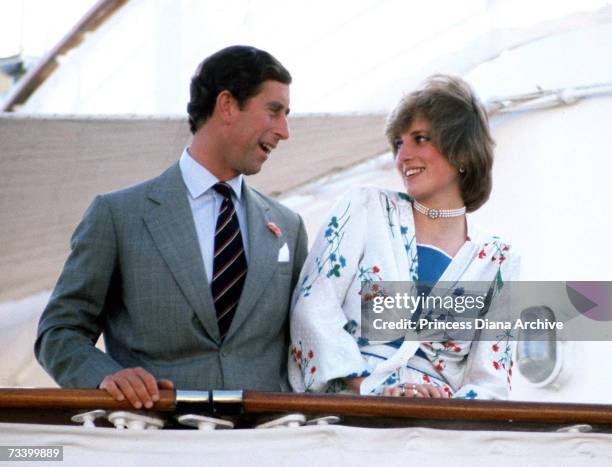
[[368, 237]]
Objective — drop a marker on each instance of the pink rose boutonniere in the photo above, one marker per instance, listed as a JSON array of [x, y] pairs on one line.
[[274, 229]]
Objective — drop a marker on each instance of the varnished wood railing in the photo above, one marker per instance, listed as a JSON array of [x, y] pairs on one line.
[[73, 399], [428, 409], [49, 401]]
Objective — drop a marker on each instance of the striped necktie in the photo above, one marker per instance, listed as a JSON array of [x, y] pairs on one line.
[[229, 264]]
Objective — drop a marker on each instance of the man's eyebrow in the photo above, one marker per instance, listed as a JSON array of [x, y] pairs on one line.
[[277, 105]]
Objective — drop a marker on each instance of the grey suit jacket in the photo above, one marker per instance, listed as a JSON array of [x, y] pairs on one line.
[[135, 274]]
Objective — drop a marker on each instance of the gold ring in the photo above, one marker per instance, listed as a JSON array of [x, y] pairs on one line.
[[414, 391]]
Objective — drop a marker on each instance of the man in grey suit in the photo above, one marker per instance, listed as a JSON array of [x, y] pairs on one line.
[[188, 275]]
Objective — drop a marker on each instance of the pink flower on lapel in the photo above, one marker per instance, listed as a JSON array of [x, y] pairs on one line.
[[274, 229]]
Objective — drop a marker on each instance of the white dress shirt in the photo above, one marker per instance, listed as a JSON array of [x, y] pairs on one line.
[[205, 204]]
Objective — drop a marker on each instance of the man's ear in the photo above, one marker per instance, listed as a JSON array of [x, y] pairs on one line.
[[226, 106]]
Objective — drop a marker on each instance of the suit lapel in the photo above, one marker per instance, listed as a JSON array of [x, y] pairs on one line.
[[263, 256], [170, 222]]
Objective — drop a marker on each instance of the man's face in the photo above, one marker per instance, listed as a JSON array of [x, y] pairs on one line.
[[256, 129]]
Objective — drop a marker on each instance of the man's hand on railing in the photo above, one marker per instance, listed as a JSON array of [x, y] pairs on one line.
[[136, 385]]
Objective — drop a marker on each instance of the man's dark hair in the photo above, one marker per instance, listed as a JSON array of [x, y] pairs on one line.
[[239, 69]]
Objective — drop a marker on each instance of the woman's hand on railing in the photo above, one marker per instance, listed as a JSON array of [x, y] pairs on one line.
[[425, 391], [354, 384]]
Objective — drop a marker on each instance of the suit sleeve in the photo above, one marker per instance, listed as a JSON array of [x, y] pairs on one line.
[[72, 321]]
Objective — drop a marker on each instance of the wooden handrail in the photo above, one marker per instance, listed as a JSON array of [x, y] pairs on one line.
[[73, 399], [428, 409], [256, 402]]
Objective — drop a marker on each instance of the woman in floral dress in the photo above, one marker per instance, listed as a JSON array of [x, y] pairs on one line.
[[443, 153]]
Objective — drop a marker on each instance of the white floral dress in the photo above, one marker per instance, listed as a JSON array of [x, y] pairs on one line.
[[369, 236]]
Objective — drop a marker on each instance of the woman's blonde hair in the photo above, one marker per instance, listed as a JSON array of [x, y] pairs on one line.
[[460, 131]]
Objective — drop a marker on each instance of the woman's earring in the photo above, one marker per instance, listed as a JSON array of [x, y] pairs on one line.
[[461, 170]]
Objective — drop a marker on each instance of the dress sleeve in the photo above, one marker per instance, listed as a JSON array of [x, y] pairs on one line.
[[490, 363], [321, 347]]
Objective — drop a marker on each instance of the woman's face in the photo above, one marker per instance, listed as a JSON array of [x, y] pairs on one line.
[[427, 174]]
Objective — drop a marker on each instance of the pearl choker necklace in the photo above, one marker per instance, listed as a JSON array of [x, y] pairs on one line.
[[433, 213]]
